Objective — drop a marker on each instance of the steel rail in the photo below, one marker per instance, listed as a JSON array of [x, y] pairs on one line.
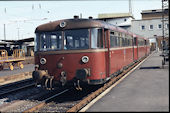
[[17, 89], [14, 83], [40, 105]]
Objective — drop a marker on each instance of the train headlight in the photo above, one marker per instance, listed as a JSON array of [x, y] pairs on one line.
[[43, 61], [85, 59], [62, 24], [59, 65]]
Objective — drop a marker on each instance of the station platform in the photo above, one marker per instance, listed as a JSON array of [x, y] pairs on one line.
[[145, 89], [28, 66]]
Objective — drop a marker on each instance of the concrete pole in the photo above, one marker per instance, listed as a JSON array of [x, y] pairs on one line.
[[4, 32]]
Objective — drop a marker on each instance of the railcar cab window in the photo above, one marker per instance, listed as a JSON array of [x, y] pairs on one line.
[[76, 39], [96, 38], [48, 41]]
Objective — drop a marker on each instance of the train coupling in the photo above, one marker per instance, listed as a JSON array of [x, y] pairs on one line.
[[81, 75], [42, 78], [77, 85]]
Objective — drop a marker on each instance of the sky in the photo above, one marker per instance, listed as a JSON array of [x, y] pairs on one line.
[[19, 19]]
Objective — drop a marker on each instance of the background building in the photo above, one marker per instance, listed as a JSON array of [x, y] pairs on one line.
[[26, 44], [151, 26], [119, 19]]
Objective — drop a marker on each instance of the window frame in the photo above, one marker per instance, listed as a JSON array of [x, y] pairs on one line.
[[150, 27], [100, 44], [115, 38], [142, 27], [38, 46], [65, 40], [167, 25], [159, 26]]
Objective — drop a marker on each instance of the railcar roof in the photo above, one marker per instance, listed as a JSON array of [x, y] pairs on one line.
[[73, 24], [79, 23]]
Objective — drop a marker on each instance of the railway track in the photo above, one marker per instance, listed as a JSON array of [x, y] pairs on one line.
[[22, 104], [16, 86], [76, 105], [39, 105], [61, 101]]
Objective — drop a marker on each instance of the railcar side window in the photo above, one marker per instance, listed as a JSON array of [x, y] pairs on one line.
[[118, 41], [121, 41], [114, 39], [135, 40], [141, 42], [130, 40], [96, 38], [120, 35], [125, 41], [105, 37]]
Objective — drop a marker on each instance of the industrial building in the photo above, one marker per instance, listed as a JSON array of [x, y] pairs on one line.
[[151, 26]]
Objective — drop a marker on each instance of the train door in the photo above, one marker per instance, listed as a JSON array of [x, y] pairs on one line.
[[135, 49], [107, 53], [145, 48]]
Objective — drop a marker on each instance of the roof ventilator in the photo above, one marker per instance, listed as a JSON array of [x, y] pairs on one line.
[[76, 17], [90, 17]]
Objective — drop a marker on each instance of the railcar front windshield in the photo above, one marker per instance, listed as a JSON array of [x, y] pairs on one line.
[[67, 40]]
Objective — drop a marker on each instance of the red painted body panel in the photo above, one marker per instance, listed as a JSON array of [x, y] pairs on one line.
[[141, 51], [135, 53], [72, 62], [120, 58]]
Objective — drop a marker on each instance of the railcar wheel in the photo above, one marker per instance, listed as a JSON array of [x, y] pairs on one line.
[[21, 66], [11, 67]]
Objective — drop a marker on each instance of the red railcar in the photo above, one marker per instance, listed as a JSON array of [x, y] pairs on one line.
[[74, 51]]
